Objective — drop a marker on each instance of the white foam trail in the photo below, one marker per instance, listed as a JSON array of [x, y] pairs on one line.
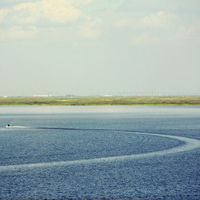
[[189, 144], [19, 127]]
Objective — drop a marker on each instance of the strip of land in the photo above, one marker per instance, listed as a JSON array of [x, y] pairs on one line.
[[100, 100]]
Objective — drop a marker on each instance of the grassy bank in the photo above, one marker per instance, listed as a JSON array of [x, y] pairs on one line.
[[98, 100]]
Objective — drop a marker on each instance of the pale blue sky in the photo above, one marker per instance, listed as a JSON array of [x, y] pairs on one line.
[[99, 47]]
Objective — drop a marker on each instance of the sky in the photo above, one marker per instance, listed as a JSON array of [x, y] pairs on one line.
[[99, 47]]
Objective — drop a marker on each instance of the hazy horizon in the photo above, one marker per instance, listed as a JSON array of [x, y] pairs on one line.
[[99, 47]]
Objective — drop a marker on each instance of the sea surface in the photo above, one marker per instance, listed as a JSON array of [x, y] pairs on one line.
[[100, 152]]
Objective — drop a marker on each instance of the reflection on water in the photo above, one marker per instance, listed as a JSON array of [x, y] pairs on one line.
[[150, 110]]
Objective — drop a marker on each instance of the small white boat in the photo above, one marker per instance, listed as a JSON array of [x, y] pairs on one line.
[[8, 125]]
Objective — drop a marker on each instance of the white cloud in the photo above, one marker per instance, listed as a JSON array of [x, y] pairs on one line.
[[144, 38], [83, 1], [26, 13], [59, 11], [123, 23], [24, 18], [18, 32], [90, 29], [191, 32], [159, 19], [3, 14]]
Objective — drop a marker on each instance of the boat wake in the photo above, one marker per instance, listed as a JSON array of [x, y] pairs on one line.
[[189, 144], [56, 128]]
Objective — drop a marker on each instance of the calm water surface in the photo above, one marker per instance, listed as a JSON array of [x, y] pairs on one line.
[[117, 152]]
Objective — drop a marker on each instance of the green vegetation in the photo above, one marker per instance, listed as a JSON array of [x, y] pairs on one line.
[[101, 100]]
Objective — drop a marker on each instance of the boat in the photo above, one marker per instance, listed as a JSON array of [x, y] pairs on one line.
[[8, 125]]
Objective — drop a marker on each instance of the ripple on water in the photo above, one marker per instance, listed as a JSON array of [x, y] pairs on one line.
[[187, 144]]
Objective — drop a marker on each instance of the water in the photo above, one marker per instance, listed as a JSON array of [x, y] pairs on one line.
[[117, 152]]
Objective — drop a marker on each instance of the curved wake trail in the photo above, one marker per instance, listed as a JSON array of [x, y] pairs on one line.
[[189, 144]]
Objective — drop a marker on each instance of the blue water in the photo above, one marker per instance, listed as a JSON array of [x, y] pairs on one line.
[[111, 152]]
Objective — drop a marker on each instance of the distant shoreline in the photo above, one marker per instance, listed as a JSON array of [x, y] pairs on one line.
[[99, 100]]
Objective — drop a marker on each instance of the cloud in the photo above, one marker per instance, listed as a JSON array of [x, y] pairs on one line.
[[144, 38], [59, 11], [84, 1], [123, 23], [18, 32], [3, 14], [191, 32], [159, 19], [90, 29], [23, 19], [26, 13]]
